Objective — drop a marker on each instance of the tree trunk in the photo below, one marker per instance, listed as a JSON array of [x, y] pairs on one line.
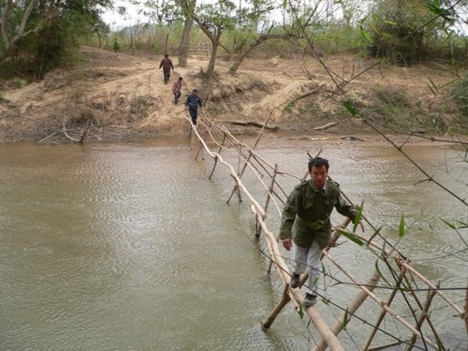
[[185, 42], [211, 64], [237, 63], [188, 7], [253, 45]]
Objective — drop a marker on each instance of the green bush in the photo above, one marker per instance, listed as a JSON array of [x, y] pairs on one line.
[[460, 95], [116, 45]]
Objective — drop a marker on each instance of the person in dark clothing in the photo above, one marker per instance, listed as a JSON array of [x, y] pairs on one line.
[[166, 65], [192, 103]]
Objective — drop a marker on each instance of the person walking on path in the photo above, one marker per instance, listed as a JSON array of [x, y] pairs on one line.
[[166, 65], [176, 89], [192, 103], [306, 226]]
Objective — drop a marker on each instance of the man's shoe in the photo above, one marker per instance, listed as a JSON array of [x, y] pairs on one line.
[[294, 282], [309, 300]]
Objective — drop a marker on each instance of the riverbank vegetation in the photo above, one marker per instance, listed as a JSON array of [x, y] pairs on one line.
[[39, 40], [372, 37]]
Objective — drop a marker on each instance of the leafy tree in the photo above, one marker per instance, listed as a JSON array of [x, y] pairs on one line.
[[251, 35], [224, 16], [166, 12], [257, 40], [401, 29], [213, 20], [15, 18], [38, 33]]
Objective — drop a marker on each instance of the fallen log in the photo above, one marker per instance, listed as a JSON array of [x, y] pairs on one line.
[[252, 124], [325, 126]]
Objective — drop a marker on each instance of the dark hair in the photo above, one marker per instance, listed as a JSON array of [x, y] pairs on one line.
[[194, 91], [318, 162], [166, 55], [180, 78]]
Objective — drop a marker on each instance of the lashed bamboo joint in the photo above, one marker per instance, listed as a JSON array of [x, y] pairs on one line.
[[401, 275]]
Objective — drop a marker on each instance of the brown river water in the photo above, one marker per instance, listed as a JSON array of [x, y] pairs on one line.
[[130, 246]]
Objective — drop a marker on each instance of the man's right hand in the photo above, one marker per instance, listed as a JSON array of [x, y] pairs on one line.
[[287, 244]]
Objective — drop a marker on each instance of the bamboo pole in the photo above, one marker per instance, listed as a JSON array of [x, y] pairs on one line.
[[226, 135], [255, 171], [321, 326], [285, 299], [429, 322], [216, 158], [380, 302], [190, 134], [423, 316], [336, 235], [201, 146], [352, 307], [267, 201], [370, 338], [261, 161], [416, 273], [241, 173], [234, 175], [384, 347], [270, 189], [295, 295], [465, 314]]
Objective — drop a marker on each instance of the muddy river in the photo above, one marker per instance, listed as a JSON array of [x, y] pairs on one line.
[[130, 246]]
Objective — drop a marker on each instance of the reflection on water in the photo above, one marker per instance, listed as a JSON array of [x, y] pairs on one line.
[[130, 246]]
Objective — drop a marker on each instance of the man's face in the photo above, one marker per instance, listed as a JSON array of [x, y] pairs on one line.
[[318, 176]]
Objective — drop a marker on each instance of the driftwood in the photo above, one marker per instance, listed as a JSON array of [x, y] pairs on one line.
[[351, 138], [325, 126], [252, 124], [304, 95]]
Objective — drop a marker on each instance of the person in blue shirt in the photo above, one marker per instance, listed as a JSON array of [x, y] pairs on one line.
[[192, 103]]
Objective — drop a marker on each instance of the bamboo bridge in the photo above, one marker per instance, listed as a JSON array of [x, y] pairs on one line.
[[401, 280]]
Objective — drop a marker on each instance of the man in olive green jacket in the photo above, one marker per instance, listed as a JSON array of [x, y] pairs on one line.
[[306, 220]]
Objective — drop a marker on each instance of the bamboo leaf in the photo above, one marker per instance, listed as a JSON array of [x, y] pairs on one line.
[[345, 320], [301, 312], [437, 9], [374, 235], [350, 108], [379, 272], [450, 225], [366, 35], [358, 217], [462, 225], [401, 228], [352, 237]]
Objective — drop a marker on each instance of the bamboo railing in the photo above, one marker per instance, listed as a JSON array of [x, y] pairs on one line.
[[399, 268]]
